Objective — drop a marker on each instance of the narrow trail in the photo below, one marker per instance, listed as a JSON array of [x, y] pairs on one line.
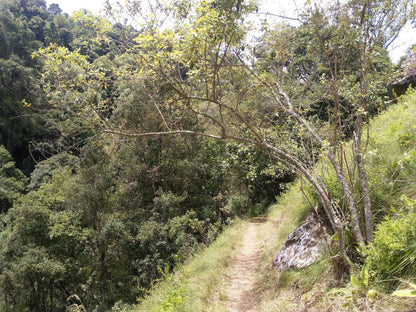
[[241, 291]]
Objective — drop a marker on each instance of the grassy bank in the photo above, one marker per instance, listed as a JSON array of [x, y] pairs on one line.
[[391, 167], [197, 286]]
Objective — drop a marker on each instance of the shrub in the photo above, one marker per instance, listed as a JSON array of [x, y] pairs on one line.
[[237, 206], [392, 255]]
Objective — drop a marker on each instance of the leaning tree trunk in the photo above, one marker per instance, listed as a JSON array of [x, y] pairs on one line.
[[362, 176], [355, 216]]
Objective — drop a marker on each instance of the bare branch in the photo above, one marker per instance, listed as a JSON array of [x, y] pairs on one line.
[[279, 16]]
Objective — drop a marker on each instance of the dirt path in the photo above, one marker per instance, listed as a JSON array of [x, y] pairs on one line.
[[241, 292]]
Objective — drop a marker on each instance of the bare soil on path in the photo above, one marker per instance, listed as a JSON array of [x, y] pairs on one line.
[[241, 292]]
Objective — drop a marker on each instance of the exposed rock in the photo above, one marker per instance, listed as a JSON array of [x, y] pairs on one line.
[[306, 244], [407, 77]]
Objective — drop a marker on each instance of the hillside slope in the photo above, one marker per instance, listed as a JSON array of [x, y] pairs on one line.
[[391, 165], [201, 285]]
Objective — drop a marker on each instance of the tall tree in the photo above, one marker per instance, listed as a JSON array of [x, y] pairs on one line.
[[199, 77], [12, 180]]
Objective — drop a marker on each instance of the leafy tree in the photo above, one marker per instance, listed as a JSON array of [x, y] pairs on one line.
[[88, 32], [15, 35], [28, 129], [16, 88], [263, 179], [54, 9], [32, 276], [97, 232], [45, 169], [58, 31], [198, 77], [12, 180]]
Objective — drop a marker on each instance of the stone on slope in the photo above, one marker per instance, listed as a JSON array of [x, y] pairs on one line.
[[407, 77], [306, 244]]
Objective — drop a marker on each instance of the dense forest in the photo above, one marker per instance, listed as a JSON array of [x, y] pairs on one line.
[[130, 141]]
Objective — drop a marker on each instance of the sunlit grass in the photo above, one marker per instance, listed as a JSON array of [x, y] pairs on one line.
[[199, 285], [276, 288]]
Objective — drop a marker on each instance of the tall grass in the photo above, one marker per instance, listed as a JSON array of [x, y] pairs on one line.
[[198, 286], [276, 288], [391, 157]]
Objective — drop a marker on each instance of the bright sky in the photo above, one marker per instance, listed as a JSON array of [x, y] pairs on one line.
[[286, 7]]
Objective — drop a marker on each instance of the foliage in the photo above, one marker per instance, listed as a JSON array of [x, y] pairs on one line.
[[12, 180], [29, 129], [391, 256], [124, 143], [45, 169], [256, 174], [16, 88], [406, 292], [196, 77], [111, 227]]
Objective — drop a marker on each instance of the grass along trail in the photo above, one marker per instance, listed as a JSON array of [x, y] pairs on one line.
[[241, 292]]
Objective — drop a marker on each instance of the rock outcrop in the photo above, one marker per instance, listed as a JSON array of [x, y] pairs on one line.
[[407, 77], [306, 244]]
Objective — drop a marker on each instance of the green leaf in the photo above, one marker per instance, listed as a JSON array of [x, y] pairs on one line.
[[364, 274], [354, 281], [371, 295], [404, 293]]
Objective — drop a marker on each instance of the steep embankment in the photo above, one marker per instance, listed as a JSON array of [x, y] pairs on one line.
[[391, 167], [227, 276], [200, 284], [234, 274]]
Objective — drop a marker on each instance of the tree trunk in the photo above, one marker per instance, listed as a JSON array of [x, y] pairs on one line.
[[355, 216], [365, 189], [323, 194]]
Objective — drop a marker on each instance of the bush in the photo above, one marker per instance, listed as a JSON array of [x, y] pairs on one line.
[[392, 255], [237, 206]]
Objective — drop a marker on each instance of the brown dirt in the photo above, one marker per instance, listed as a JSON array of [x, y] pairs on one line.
[[241, 291]]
